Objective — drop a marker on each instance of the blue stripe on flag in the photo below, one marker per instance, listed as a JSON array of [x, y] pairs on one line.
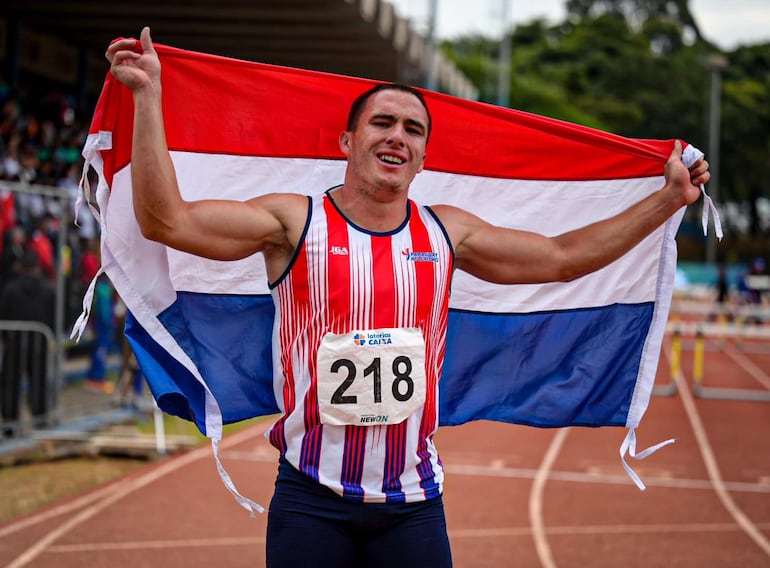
[[576, 367], [228, 338], [175, 389], [570, 367]]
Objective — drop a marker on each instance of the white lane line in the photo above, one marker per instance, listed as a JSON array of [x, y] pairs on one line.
[[713, 468], [120, 490], [56, 511], [694, 528], [601, 479], [655, 528], [497, 532], [100, 493], [158, 544], [536, 500]]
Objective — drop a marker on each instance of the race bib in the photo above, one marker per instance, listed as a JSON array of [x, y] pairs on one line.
[[371, 377]]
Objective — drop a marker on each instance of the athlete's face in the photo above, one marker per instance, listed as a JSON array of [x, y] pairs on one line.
[[387, 147]]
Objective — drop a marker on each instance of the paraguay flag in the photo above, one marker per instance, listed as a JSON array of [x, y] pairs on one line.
[[578, 353]]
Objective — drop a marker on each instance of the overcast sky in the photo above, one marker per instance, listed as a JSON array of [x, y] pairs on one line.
[[726, 23]]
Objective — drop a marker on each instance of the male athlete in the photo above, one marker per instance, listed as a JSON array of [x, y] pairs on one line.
[[361, 485]]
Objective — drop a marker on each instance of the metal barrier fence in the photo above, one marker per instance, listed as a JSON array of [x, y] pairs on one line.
[[57, 338], [27, 375]]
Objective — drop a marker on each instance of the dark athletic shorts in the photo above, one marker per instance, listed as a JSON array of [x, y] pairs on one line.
[[308, 526]]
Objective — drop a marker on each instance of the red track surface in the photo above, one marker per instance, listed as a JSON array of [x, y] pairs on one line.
[[515, 496]]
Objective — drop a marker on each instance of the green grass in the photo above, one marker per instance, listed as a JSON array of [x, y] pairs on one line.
[[28, 486]]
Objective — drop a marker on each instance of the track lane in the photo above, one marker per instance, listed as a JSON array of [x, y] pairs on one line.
[[591, 513]]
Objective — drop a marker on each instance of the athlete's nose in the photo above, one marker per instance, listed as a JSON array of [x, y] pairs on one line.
[[396, 135]]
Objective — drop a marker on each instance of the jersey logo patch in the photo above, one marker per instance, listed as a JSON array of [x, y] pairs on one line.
[[339, 250], [420, 256]]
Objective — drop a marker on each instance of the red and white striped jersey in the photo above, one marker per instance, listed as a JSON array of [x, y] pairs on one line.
[[342, 280]]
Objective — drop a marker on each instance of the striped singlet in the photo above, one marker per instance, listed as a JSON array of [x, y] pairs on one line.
[[344, 279]]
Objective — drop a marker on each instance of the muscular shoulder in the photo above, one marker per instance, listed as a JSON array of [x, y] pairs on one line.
[[290, 209], [290, 213], [458, 223]]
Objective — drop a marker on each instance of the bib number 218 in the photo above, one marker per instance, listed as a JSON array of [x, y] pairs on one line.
[[402, 386], [372, 377]]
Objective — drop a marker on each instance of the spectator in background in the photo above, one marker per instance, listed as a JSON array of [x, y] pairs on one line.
[[722, 286], [104, 337], [751, 288], [40, 241], [89, 261], [13, 252], [28, 297], [11, 163], [9, 118]]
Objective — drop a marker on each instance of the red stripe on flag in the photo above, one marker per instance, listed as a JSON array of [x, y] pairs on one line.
[[219, 105]]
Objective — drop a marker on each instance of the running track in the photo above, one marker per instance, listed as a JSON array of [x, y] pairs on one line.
[[515, 496]]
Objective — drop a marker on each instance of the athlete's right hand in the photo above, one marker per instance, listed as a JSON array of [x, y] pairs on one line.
[[134, 69]]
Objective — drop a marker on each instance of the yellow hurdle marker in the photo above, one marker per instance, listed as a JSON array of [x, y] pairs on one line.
[[676, 353], [675, 369], [698, 367], [697, 361]]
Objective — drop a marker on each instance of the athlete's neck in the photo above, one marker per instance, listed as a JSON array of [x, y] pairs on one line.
[[378, 211]]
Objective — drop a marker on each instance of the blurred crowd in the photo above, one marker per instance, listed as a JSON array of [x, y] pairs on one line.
[[41, 137]]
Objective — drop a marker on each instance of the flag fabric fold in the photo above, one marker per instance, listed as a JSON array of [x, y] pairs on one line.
[[578, 353]]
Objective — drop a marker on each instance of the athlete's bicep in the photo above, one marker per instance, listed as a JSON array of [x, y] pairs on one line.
[[498, 254], [231, 230]]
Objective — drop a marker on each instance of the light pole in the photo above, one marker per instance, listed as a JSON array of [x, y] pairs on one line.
[[716, 62], [430, 82], [504, 76]]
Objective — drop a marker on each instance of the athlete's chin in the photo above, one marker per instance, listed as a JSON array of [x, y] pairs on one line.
[[396, 185]]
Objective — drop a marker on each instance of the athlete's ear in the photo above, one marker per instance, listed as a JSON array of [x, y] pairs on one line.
[[345, 142]]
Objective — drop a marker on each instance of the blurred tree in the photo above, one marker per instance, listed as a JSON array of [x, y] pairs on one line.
[[745, 144], [639, 68], [636, 68], [638, 12]]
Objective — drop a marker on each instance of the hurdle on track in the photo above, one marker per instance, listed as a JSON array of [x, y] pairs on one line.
[[699, 331], [731, 312]]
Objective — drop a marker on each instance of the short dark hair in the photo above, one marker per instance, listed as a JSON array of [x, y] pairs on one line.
[[357, 108]]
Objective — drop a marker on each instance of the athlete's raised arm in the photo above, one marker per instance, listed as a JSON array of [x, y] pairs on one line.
[[218, 229], [517, 257]]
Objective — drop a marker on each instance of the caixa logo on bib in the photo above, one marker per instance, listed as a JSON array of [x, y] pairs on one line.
[[373, 338]]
